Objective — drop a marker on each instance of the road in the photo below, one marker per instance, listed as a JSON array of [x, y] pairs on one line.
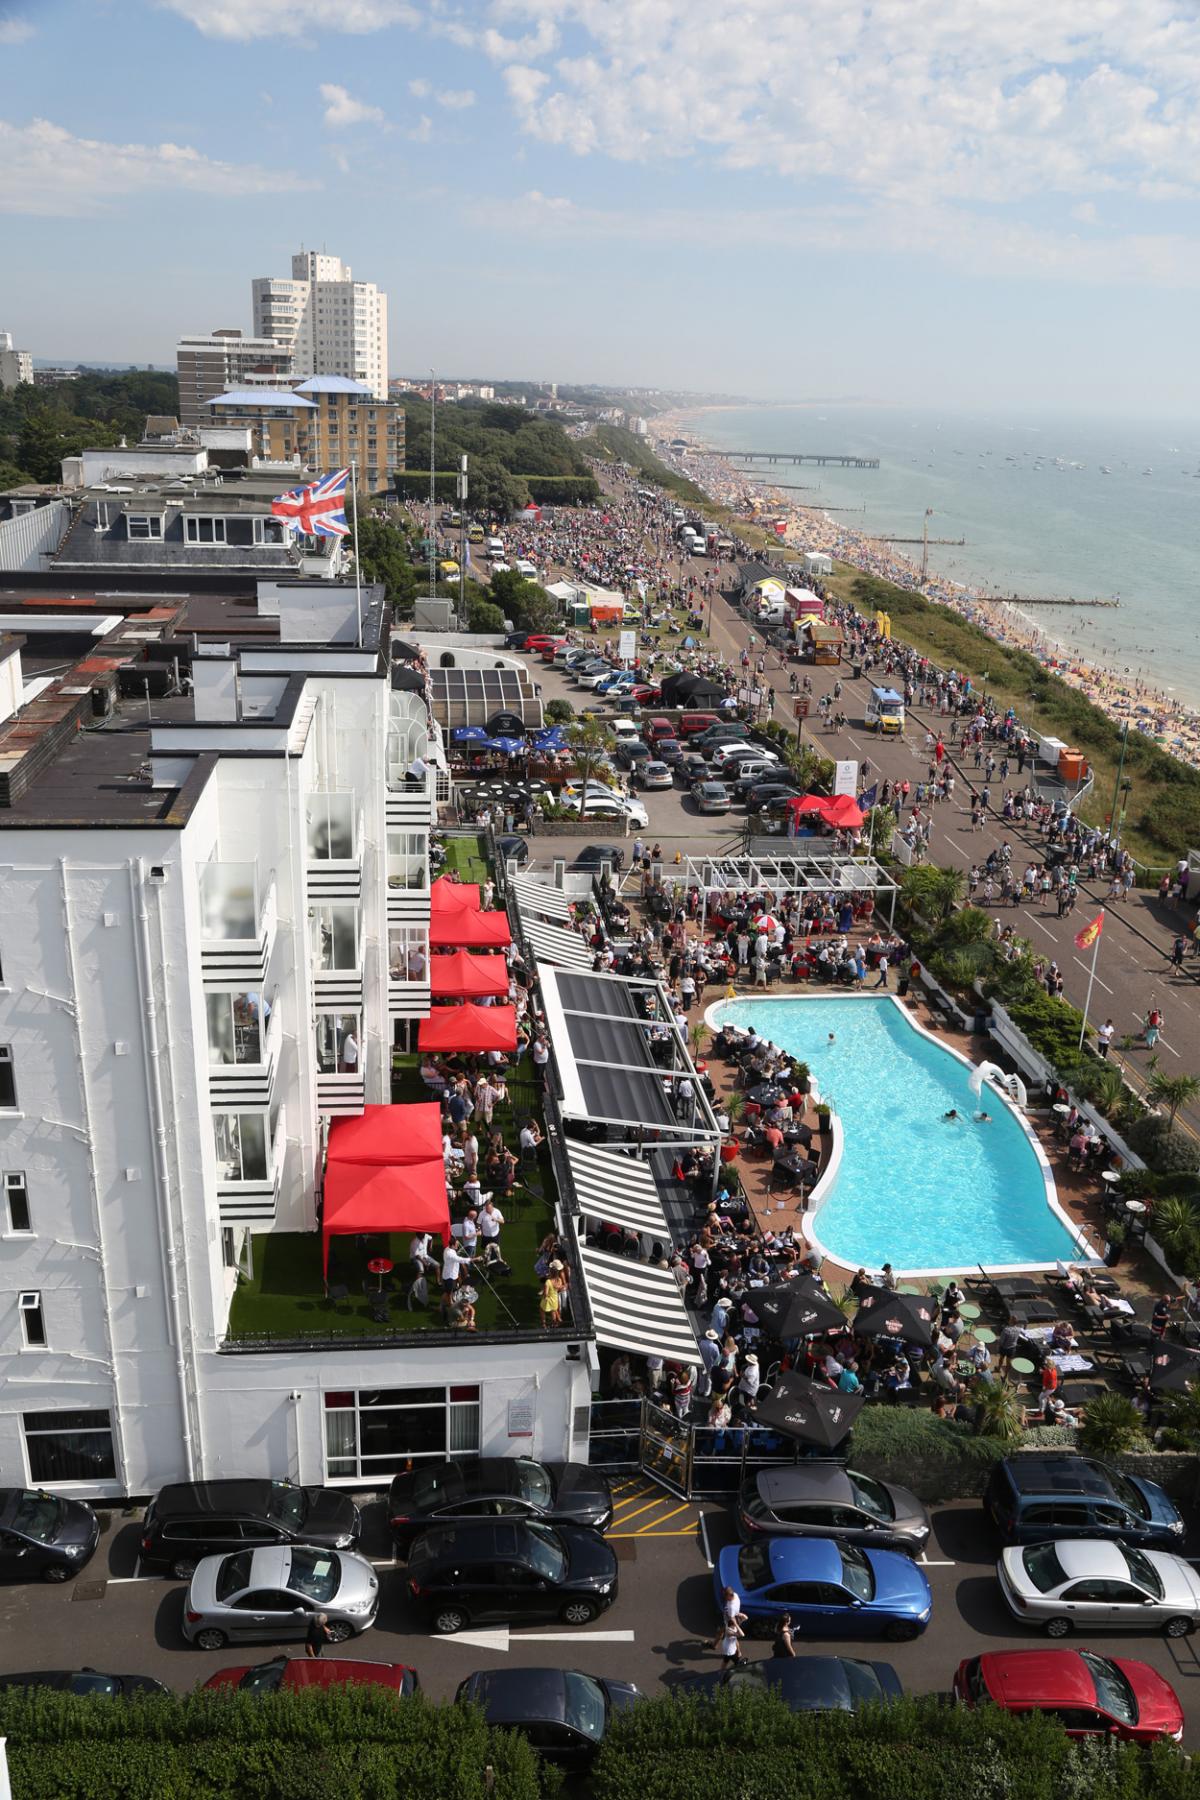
[[657, 1634]]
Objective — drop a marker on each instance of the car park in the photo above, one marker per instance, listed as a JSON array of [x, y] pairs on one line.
[[1031, 1498], [192, 1519], [285, 1674], [1087, 1693], [830, 1589], [563, 1712], [441, 1491], [811, 1683], [821, 1499], [87, 1683], [506, 1569], [711, 796], [44, 1537], [269, 1596], [654, 775], [1095, 1584]]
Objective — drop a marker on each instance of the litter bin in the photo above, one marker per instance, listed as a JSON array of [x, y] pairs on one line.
[[856, 670]]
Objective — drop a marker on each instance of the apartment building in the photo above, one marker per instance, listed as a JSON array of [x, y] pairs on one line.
[[327, 422], [211, 363], [214, 917], [16, 366], [328, 322]]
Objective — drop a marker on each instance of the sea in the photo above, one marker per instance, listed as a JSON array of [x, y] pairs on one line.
[[1049, 508]]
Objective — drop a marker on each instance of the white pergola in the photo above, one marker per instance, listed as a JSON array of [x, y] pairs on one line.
[[828, 871]]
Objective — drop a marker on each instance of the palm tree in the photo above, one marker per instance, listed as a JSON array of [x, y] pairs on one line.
[[1000, 1413], [1180, 1415], [932, 891], [589, 740], [1112, 1425], [696, 1038], [1173, 1091]]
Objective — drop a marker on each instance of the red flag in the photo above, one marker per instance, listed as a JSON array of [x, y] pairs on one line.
[[1086, 938]]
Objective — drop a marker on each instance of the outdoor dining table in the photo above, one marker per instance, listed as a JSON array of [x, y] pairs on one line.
[[1021, 1365], [983, 1334], [969, 1310], [766, 1093]]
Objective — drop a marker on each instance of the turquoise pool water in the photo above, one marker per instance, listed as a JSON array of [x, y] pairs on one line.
[[913, 1189]]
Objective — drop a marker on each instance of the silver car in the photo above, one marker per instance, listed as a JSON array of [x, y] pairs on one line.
[[1081, 1584], [266, 1596]]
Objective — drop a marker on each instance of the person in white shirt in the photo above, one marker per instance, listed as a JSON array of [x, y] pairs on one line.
[[451, 1270], [490, 1221], [467, 1233], [349, 1054], [418, 1254], [749, 1379]]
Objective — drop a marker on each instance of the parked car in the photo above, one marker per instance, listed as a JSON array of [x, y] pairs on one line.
[[439, 1492], [657, 728], [749, 773], [654, 775], [668, 750], [766, 792], [631, 752], [516, 640], [87, 1682], [830, 1589], [626, 731], [647, 692], [505, 1569], [539, 640], [193, 1519], [1032, 1498], [268, 1596], [44, 1536], [590, 676], [711, 796], [692, 768], [1086, 1693], [513, 848], [810, 1683], [828, 1500], [735, 751], [721, 731], [693, 724], [606, 803], [562, 1712], [593, 855], [1079, 1583], [284, 1673]]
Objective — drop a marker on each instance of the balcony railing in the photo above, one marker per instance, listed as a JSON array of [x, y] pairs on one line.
[[238, 919], [337, 877], [242, 1202], [341, 1093], [250, 1082]]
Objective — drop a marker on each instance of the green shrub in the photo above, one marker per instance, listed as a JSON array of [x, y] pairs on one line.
[[1112, 1425], [559, 711], [939, 1458], [1167, 1152]]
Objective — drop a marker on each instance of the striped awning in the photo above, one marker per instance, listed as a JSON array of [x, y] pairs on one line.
[[637, 1307], [550, 943], [616, 1188], [538, 897]]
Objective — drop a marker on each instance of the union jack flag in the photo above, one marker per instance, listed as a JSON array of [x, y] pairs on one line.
[[319, 510]]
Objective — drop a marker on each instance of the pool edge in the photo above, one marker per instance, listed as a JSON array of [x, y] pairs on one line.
[[1085, 1251]]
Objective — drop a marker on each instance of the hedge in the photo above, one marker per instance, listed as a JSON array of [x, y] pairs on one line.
[[356, 1743], [753, 1747]]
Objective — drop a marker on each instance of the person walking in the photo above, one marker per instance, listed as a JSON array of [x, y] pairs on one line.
[[732, 1617], [781, 1643], [1153, 1025], [317, 1635]]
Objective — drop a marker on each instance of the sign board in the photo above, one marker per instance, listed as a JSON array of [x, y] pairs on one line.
[[627, 646], [802, 706], [845, 779], [520, 1418]]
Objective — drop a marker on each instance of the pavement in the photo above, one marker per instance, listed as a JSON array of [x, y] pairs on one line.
[[657, 1634]]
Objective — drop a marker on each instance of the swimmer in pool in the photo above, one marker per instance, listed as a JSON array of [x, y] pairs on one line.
[[982, 1118], [952, 1114], [833, 1037]]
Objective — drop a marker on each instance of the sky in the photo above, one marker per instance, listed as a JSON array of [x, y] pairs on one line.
[[908, 201]]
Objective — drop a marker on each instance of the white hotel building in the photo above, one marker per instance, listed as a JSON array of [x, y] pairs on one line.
[[207, 901]]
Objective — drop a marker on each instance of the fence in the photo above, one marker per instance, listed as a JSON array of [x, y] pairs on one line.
[[686, 1456]]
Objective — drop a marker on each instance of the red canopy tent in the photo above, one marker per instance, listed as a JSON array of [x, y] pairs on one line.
[[461, 976], [469, 1027], [842, 811], [452, 896], [379, 1197], [388, 1134], [484, 930]]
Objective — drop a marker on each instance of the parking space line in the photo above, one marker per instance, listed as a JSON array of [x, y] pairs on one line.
[[923, 1562], [704, 1539], [649, 1532], [637, 1512], [124, 1580]]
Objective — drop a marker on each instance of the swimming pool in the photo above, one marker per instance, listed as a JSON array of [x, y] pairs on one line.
[[928, 1195]]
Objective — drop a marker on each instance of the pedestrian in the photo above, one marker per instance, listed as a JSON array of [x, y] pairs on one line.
[[781, 1643], [732, 1615], [1104, 1037], [1153, 1025], [317, 1635]]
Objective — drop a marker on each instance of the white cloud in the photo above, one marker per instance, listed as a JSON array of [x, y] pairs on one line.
[[49, 172], [341, 109], [419, 88], [422, 131], [16, 31], [246, 19], [455, 99]]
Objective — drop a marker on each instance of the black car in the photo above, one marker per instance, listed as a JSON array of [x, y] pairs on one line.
[[670, 751], [44, 1535], [86, 1681], [719, 734], [761, 793], [592, 855], [507, 1570], [505, 1487], [516, 640], [194, 1519], [631, 753], [512, 848], [562, 1712], [811, 1683], [691, 768]]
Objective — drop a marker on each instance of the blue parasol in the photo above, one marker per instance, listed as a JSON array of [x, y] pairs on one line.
[[468, 734]]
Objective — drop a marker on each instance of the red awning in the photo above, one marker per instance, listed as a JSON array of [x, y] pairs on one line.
[[388, 1134], [461, 976], [482, 930], [842, 811], [452, 896], [363, 1197], [469, 1027]]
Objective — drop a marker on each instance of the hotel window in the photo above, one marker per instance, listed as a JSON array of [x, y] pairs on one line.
[[204, 531], [69, 1446], [241, 1145], [330, 827], [334, 937], [16, 1197], [408, 952], [8, 1080], [339, 1044], [33, 1323], [143, 527], [236, 1028], [371, 1433]]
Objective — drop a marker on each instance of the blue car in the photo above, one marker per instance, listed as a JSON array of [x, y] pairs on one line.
[[830, 1589]]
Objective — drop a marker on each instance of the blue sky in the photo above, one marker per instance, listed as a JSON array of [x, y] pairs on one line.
[[984, 204]]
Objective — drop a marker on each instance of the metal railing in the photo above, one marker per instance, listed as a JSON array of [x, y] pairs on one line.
[[685, 1455]]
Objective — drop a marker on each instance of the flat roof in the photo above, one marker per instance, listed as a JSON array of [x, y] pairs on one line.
[[97, 781]]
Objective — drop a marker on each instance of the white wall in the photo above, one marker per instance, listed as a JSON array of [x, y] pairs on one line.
[[29, 540]]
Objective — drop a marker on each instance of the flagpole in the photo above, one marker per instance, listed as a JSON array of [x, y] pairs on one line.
[[1091, 977], [357, 563]]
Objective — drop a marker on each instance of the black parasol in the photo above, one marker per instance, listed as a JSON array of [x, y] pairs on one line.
[[794, 1309], [815, 1415], [897, 1318]]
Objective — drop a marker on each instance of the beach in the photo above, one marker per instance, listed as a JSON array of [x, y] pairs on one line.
[[1162, 716]]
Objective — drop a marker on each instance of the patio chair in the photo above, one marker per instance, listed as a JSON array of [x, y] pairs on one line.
[[335, 1293]]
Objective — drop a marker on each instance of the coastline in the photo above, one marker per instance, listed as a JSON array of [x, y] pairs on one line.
[[1172, 724]]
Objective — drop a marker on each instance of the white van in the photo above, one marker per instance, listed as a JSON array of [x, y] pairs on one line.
[[527, 569], [495, 547], [885, 710]]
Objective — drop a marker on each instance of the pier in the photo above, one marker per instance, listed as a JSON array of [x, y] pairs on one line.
[[822, 459], [1043, 600], [893, 540]]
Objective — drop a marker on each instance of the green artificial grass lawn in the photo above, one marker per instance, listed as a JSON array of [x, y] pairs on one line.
[[465, 856]]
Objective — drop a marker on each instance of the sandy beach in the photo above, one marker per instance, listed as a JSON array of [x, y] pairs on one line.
[[1167, 721]]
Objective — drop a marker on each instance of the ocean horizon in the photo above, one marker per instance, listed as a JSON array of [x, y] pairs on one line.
[[1049, 507]]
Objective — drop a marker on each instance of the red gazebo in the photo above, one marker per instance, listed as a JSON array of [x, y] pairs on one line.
[[841, 811], [471, 1028], [384, 1172], [461, 976], [452, 896], [480, 930]]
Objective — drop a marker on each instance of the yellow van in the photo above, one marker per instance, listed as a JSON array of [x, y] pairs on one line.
[[448, 570], [476, 534]]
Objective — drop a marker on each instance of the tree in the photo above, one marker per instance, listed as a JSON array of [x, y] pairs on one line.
[[589, 741], [1000, 1412], [11, 476], [1173, 1091], [1180, 1415], [46, 438], [931, 891], [1111, 1426]]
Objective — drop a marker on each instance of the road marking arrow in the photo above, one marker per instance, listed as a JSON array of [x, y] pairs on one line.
[[503, 1639], [483, 1640]]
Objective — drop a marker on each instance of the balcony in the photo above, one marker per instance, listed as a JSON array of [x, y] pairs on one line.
[[252, 1196], [237, 924], [340, 1093], [335, 840], [248, 1077], [409, 804]]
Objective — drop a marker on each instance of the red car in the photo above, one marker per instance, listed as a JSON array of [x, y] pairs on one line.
[[315, 1671], [646, 692], [542, 640], [692, 724], [1087, 1693]]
